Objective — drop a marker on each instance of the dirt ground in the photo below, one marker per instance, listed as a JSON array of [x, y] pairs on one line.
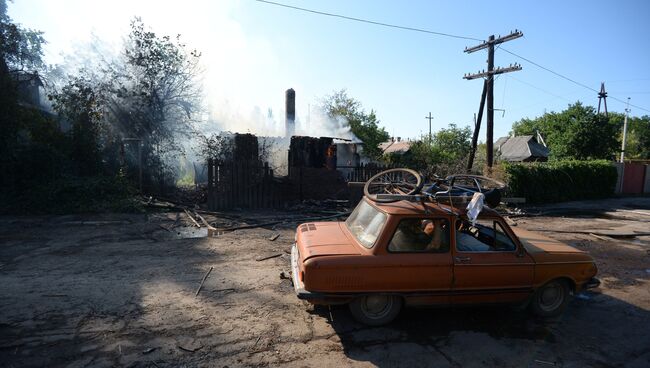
[[120, 290]]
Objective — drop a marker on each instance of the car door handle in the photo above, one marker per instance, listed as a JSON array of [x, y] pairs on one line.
[[462, 259]]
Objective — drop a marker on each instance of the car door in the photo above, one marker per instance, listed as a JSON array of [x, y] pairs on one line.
[[416, 264], [489, 265]]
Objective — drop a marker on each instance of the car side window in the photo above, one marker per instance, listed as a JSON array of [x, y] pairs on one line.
[[420, 235], [484, 236]]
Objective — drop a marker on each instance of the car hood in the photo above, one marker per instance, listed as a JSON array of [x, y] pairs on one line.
[[323, 239], [543, 248]]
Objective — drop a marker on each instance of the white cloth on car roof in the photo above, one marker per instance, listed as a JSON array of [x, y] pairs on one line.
[[475, 206]]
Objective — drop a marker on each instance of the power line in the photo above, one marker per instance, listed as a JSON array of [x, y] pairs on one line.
[[334, 15], [368, 21], [569, 79], [541, 89], [548, 70]]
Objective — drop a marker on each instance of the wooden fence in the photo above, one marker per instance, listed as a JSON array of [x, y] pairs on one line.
[[363, 172], [241, 185], [245, 184]]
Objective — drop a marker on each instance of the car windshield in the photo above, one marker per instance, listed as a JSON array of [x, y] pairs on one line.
[[365, 223]]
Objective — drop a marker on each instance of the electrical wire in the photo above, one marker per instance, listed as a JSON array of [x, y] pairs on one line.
[[569, 79], [369, 21], [445, 35]]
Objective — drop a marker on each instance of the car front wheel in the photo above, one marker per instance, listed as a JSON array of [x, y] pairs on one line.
[[376, 310], [551, 299]]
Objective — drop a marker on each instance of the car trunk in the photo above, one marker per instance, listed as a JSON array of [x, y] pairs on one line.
[[323, 239]]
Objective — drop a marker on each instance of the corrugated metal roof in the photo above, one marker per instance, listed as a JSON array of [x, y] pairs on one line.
[[521, 148]]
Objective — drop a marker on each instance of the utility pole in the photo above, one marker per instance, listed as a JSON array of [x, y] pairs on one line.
[[489, 86], [430, 118], [602, 96], [477, 128], [627, 111]]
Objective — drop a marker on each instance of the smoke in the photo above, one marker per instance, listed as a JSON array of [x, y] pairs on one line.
[[320, 124], [237, 96]]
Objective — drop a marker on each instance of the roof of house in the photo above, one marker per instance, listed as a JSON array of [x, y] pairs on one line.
[[520, 148], [399, 147]]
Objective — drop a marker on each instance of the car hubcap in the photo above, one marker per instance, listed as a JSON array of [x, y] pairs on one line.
[[376, 306], [551, 297]]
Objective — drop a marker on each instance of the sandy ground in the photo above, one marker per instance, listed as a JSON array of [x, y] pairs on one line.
[[119, 290]]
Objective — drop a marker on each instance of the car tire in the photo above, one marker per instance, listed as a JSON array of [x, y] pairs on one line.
[[551, 299], [376, 309]]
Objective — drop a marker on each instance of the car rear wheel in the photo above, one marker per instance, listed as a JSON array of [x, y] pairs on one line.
[[376, 310], [551, 299]]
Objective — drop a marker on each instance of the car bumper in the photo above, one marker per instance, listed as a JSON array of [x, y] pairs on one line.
[[592, 283], [298, 286], [312, 297]]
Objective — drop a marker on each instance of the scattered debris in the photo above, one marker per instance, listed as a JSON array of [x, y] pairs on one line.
[[190, 350], [604, 238], [148, 350], [202, 281], [191, 218], [165, 227], [510, 221], [225, 291], [97, 223], [288, 221], [612, 234], [543, 362], [285, 276], [274, 237], [268, 257], [203, 221]]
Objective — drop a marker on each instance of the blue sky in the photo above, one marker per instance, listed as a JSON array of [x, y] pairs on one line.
[[254, 51]]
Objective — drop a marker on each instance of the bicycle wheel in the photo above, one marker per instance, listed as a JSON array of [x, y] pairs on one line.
[[393, 181]]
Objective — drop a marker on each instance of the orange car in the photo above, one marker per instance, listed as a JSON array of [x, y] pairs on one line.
[[386, 255]]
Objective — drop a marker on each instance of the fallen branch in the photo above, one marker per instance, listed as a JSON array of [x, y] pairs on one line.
[[191, 218], [268, 257], [210, 227], [202, 281], [274, 237]]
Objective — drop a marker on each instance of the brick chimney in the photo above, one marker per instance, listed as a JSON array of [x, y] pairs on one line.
[[290, 108]]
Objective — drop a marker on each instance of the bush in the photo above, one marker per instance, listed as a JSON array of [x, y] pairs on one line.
[[560, 180]]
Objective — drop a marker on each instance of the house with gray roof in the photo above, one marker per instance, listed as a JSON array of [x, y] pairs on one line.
[[524, 148]]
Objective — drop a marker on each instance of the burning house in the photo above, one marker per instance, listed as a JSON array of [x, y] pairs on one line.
[[316, 167]]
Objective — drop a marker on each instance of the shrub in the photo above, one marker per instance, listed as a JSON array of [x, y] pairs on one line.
[[559, 181]]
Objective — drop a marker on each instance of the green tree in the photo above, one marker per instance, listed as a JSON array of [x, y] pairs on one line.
[[364, 126], [445, 153], [20, 50], [638, 135], [452, 143], [575, 133], [154, 95], [83, 105]]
